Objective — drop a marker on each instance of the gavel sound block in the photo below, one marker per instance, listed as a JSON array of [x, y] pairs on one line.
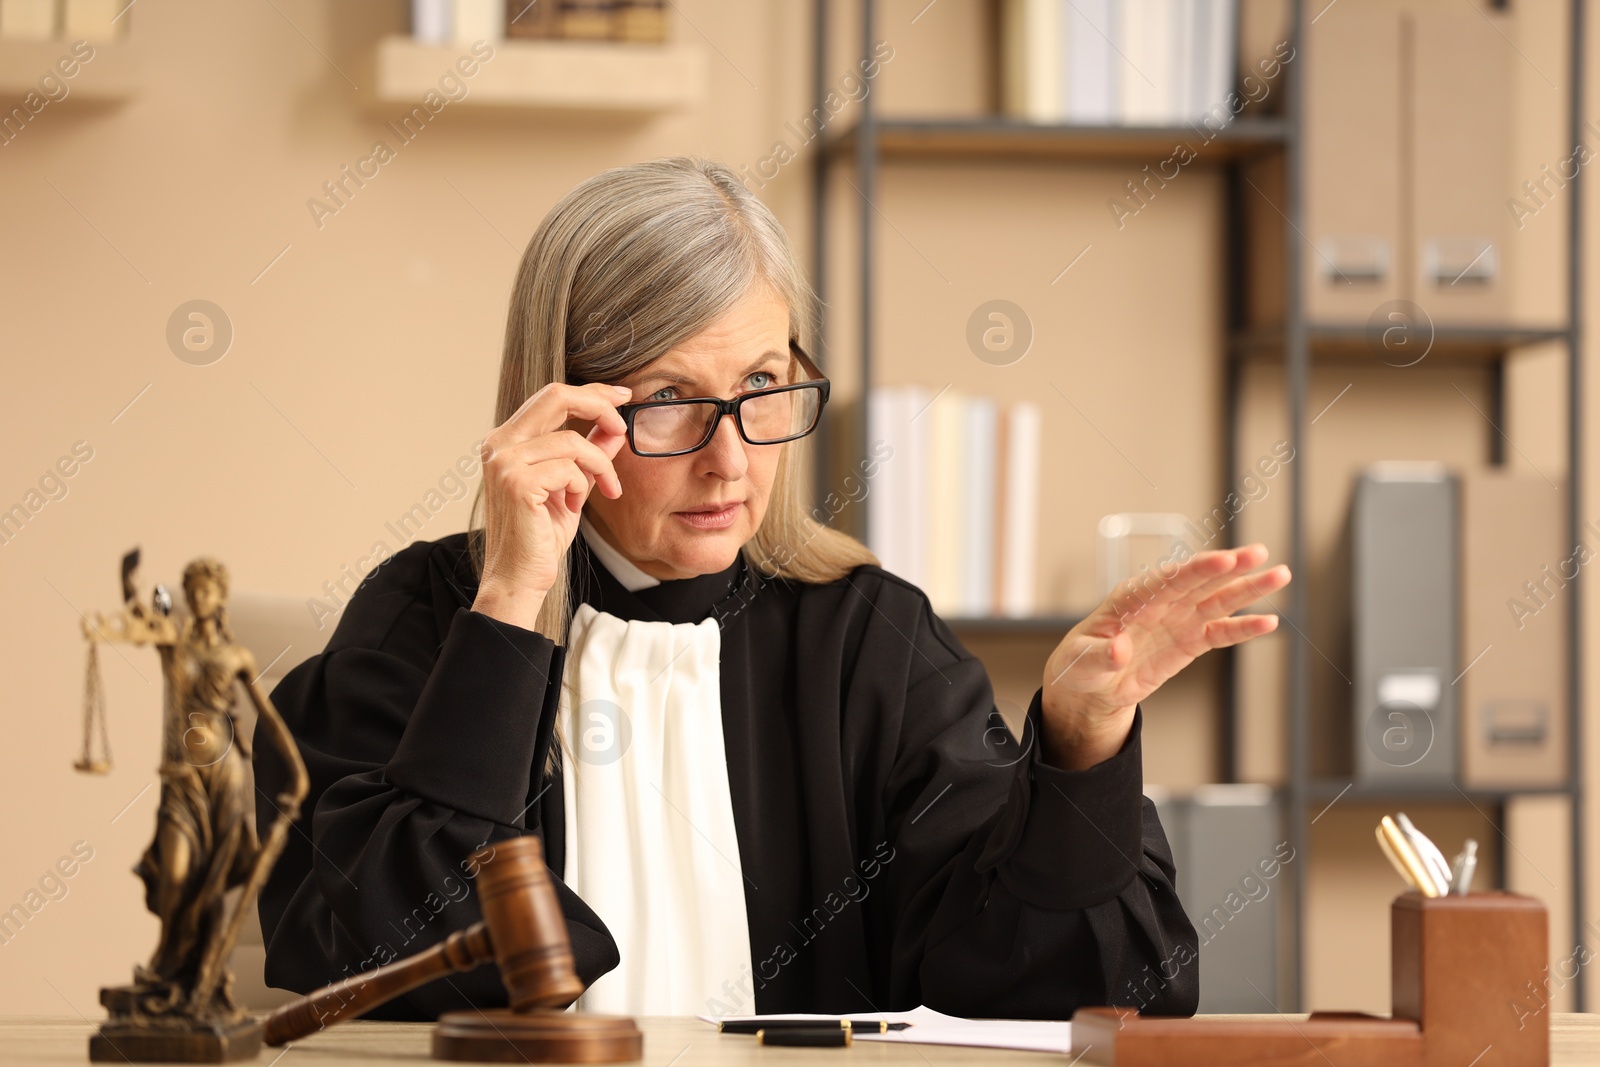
[[525, 933], [1468, 988]]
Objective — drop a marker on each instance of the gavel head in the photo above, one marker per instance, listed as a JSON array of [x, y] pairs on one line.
[[526, 925]]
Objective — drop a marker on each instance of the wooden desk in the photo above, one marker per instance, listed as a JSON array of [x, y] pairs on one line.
[[675, 1041]]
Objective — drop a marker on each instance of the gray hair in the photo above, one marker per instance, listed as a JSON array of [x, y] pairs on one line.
[[629, 264]]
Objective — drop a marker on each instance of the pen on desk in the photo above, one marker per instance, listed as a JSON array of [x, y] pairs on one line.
[[805, 1036], [1394, 858], [1429, 853], [1466, 863], [1408, 856], [751, 1026]]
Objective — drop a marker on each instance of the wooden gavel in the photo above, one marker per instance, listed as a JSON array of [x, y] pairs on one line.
[[523, 931]]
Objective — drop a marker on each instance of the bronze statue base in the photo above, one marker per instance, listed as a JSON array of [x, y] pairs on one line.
[[122, 1040], [500, 1035], [145, 1027]]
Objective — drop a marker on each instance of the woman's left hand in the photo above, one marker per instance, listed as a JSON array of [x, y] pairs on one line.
[[1150, 628]]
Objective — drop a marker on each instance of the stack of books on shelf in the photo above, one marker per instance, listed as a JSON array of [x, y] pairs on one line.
[[444, 21], [953, 505], [1119, 62], [71, 20]]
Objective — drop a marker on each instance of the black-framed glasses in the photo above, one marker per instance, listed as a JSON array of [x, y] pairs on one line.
[[658, 428]]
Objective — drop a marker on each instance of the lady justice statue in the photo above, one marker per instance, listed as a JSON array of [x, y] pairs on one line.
[[180, 1005]]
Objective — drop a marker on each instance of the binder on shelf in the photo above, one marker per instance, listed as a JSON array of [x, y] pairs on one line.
[[1461, 164], [1407, 165], [1404, 617], [1515, 572], [1353, 167], [1223, 837]]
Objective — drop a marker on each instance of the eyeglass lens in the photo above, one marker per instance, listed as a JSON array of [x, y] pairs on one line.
[[767, 418]]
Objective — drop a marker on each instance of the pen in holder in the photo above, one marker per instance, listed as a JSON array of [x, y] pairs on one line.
[[1462, 969]]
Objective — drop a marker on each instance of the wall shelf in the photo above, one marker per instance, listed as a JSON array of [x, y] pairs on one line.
[[1326, 790], [1330, 343], [590, 77], [998, 137], [113, 74]]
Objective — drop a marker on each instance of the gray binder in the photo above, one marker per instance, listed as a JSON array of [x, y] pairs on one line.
[[1229, 849], [1405, 620]]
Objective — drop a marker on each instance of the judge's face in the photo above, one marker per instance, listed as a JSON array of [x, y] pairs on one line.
[[652, 523]]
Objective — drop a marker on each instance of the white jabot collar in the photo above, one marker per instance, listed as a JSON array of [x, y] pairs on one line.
[[621, 568]]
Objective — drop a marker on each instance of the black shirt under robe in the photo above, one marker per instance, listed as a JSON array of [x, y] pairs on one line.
[[900, 846]]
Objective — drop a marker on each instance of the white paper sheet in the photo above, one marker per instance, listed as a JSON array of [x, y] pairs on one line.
[[930, 1027]]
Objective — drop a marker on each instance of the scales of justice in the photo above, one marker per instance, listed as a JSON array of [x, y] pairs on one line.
[[179, 1008]]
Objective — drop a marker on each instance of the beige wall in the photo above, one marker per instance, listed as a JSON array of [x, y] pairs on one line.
[[364, 359]]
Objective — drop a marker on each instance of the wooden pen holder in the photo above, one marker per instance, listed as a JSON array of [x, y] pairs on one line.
[[1467, 976], [1463, 968]]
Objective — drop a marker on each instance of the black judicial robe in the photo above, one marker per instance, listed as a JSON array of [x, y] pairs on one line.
[[900, 845]]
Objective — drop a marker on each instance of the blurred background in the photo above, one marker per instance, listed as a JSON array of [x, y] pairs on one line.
[[1110, 280]]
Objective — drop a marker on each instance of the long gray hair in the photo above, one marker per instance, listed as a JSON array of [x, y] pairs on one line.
[[628, 264]]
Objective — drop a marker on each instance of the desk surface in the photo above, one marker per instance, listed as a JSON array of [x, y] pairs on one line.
[[674, 1041]]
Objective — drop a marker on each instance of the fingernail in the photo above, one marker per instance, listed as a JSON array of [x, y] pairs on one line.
[[623, 389]]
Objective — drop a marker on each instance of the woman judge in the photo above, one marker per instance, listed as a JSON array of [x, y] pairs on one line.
[[767, 776]]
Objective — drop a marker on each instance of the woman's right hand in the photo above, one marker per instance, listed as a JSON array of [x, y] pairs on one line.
[[536, 477]]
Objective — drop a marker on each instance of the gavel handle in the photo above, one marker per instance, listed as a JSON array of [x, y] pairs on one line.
[[461, 951]]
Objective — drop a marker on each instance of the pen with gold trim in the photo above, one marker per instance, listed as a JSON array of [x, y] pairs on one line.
[[1393, 857], [1427, 852], [1409, 858], [865, 1026], [805, 1036]]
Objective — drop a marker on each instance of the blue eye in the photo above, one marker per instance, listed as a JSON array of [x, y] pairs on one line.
[[657, 394], [772, 379]]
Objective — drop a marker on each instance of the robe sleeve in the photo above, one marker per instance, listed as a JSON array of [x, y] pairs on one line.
[[1018, 889], [415, 761]]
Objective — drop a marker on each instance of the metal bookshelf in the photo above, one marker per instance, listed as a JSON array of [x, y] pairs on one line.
[[875, 140], [1302, 342]]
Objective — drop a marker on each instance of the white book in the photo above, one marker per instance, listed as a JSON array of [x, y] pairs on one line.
[[1023, 442], [1139, 79], [882, 507], [915, 467], [1031, 60], [945, 499], [977, 512], [1198, 43], [1184, 46], [1092, 76], [432, 21], [1222, 51], [478, 20]]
